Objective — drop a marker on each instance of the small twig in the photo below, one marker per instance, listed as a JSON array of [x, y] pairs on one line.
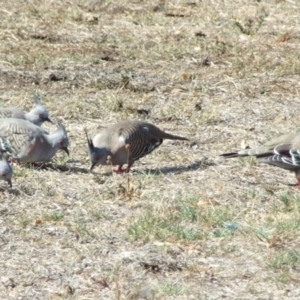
[[118, 293], [108, 161]]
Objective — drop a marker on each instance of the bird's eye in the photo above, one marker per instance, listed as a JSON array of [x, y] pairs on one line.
[[41, 116], [4, 174]]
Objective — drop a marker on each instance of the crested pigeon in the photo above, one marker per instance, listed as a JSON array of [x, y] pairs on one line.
[[5, 170], [26, 142], [38, 114], [126, 142], [283, 152]]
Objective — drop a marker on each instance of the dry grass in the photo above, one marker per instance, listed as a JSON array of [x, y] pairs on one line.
[[185, 223]]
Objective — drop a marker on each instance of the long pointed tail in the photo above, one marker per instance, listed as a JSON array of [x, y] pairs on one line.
[[257, 152], [173, 137], [231, 155]]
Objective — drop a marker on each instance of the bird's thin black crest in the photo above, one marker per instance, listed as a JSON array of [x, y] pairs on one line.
[[60, 125], [89, 140], [37, 99]]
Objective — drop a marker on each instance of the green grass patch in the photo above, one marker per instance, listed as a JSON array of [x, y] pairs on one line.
[[182, 220]]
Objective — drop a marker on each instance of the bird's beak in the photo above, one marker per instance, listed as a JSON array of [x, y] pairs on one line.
[[9, 182], [92, 166], [48, 120], [66, 150]]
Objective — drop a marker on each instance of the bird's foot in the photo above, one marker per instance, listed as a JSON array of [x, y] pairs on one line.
[[120, 170], [14, 162], [40, 165]]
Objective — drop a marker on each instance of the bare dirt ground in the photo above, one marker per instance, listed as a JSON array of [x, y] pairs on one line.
[[184, 223]]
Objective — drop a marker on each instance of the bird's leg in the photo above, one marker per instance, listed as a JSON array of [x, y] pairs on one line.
[[297, 173], [128, 168]]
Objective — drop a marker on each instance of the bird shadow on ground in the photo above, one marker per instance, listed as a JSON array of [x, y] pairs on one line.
[[242, 182], [167, 170], [60, 168], [202, 165], [8, 189], [75, 170], [293, 185]]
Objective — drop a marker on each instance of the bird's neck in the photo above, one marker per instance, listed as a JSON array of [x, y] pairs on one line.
[[31, 117], [53, 139]]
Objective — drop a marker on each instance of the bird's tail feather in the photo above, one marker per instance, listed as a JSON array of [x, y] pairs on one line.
[[231, 155], [173, 137]]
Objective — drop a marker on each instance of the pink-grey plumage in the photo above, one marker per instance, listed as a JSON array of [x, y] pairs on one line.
[[126, 142], [37, 115], [26, 142], [283, 152]]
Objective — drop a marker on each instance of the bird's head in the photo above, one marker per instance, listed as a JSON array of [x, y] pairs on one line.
[[98, 156], [39, 114]]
